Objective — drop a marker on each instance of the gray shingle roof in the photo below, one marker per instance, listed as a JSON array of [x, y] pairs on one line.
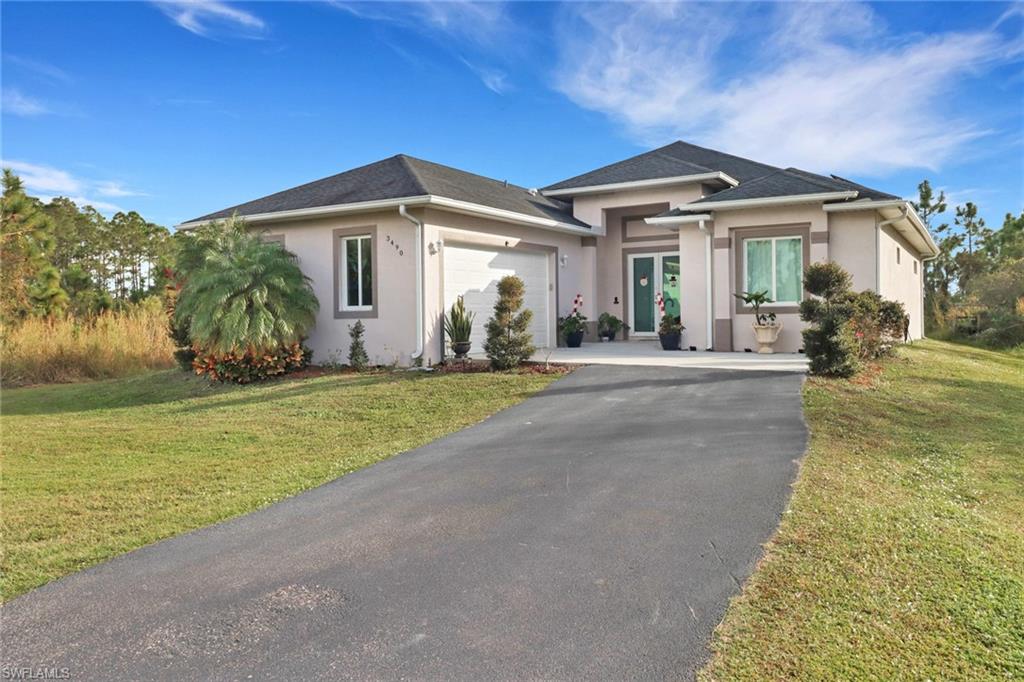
[[678, 158], [788, 182], [781, 183], [399, 177]]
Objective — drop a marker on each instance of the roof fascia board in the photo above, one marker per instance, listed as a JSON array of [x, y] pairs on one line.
[[667, 221], [737, 204], [912, 217], [422, 200], [641, 184]]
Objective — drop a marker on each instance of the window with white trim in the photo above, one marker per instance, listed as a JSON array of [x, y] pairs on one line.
[[357, 273], [775, 265]]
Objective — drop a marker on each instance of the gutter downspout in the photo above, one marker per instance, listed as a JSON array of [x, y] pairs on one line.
[[709, 322], [418, 353]]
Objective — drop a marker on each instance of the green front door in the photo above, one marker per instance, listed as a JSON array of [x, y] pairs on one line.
[[644, 286]]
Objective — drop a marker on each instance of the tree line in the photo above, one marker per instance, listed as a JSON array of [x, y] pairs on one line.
[[976, 283], [58, 259]]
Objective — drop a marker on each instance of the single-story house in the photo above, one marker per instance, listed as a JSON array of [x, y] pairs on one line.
[[395, 242]]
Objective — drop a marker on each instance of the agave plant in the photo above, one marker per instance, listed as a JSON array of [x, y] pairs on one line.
[[458, 324], [242, 294]]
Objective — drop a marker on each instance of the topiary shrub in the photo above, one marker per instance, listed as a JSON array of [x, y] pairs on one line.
[[509, 342], [249, 366], [357, 357], [829, 342]]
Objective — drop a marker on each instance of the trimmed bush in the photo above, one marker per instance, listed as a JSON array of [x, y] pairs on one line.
[[249, 366], [509, 342], [357, 357], [846, 328]]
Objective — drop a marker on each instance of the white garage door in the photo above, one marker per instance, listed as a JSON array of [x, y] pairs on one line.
[[473, 273]]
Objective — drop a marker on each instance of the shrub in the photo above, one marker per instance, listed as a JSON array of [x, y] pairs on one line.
[[243, 294], [846, 327], [608, 324], [509, 342], [250, 365], [357, 358], [1000, 293], [109, 345], [829, 342]]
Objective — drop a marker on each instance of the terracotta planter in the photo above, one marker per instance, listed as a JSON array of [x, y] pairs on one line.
[[461, 348], [670, 341], [574, 339], [767, 335]]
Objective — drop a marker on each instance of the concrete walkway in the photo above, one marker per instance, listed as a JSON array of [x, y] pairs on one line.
[[648, 353], [595, 531]]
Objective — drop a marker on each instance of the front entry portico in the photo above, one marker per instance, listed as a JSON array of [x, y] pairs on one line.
[[652, 276]]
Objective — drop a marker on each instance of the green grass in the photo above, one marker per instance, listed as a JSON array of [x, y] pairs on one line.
[[902, 553], [94, 470]]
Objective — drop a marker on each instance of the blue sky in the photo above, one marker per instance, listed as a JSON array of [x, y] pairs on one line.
[[176, 109]]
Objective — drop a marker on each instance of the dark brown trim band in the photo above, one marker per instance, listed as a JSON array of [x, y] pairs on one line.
[[721, 242], [588, 241], [723, 335], [819, 237]]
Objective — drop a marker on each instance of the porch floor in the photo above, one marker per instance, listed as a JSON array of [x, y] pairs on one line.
[[649, 353]]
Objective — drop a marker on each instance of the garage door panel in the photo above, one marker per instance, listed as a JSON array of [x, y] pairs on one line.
[[473, 273]]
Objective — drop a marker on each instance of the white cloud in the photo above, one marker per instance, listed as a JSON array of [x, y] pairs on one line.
[[201, 16], [493, 79], [14, 102], [476, 22], [47, 182], [812, 85], [48, 71], [112, 188]]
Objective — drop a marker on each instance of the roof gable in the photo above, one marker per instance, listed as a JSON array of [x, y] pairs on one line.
[[673, 160]]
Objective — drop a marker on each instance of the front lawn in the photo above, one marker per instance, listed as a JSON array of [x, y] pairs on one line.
[[94, 470], [902, 553]]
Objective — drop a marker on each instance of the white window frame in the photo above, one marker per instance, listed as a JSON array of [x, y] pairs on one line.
[[771, 292], [358, 238]]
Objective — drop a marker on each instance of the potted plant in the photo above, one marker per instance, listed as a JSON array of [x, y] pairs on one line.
[[670, 332], [608, 326], [574, 325], [766, 327], [458, 326]]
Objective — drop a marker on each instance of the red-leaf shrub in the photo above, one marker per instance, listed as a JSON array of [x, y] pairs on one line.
[[249, 366]]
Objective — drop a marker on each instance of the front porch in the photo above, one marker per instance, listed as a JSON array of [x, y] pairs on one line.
[[649, 353]]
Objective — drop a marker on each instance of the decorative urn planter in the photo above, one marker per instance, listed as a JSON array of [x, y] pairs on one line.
[[574, 339], [670, 341], [461, 348], [767, 335]]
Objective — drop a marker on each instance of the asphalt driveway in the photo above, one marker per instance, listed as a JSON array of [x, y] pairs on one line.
[[594, 531]]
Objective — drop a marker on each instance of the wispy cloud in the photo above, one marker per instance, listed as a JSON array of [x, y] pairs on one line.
[[47, 182], [204, 17], [474, 22], [494, 80], [39, 68], [14, 102], [827, 89]]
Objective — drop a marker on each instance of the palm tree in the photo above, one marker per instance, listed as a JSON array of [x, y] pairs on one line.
[[242, 294]]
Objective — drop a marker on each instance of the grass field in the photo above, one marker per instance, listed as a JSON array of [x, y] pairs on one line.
[[97, 469], [902, 553]]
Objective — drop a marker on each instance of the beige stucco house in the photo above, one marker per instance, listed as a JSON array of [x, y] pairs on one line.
[[395, 242]]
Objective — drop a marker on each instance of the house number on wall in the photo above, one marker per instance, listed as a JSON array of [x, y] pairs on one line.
[[393, 243]]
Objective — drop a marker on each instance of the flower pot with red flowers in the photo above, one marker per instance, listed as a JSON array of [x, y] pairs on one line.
[[574, 325], [670, 332]]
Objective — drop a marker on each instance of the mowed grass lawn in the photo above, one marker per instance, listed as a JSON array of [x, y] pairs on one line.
[[97, 469], [902, 553]]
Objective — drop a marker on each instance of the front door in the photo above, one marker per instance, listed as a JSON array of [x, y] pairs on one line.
[[652, 276]]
